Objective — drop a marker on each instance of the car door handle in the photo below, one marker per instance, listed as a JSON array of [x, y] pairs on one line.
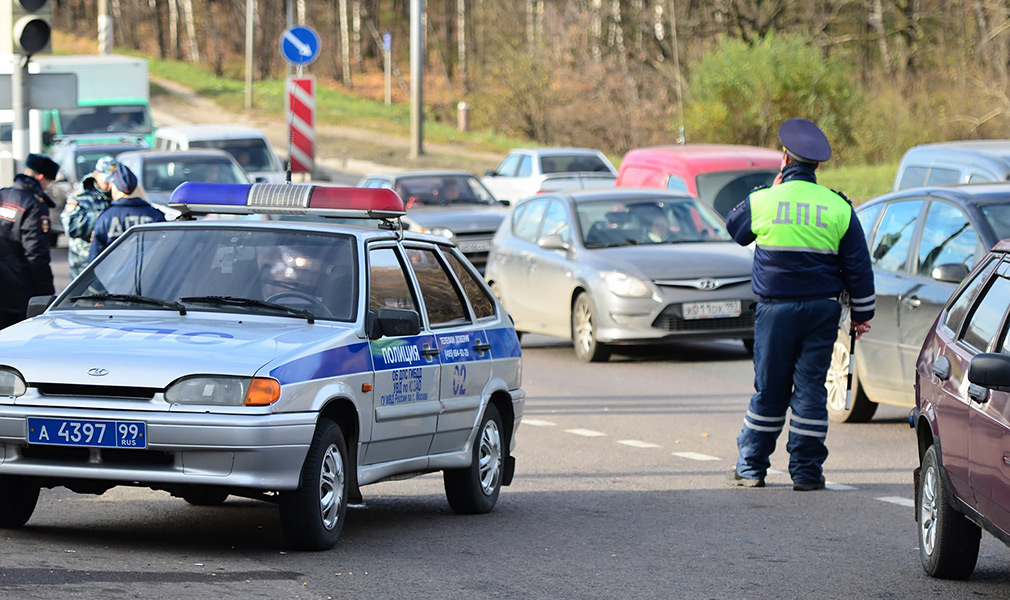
[[978, 393], [941, 368], [912, 302], [481, 347], [429, 352]]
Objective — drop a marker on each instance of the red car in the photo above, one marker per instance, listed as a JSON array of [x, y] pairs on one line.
[[720, 175], [962, 422]]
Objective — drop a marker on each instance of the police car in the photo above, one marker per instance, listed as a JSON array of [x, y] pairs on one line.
[[292, 362]]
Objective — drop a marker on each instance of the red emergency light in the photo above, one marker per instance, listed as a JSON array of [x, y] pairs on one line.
[[288, 199]]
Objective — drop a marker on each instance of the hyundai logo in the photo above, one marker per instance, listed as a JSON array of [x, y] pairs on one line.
[[98, 372], [707, 284]]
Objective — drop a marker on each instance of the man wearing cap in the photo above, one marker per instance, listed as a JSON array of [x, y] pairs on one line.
[[124, 212], [92, 196], [24, 243], [809, 249]]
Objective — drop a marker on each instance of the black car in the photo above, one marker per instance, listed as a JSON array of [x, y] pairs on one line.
[[923, 242]]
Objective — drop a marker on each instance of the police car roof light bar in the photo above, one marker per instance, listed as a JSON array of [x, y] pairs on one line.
[[193, 198]]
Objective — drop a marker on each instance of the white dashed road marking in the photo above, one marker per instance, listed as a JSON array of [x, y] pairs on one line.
[[841, 487], [586, 432], [898, 500], [695, 456], [638, 444], [538, 423]]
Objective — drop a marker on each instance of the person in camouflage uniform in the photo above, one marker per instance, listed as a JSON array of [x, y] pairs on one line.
[[92, 196]]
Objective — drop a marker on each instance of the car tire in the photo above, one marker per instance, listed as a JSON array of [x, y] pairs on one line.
[[313, 515], [205, 496], [948, 541], [18, 497], [861, 409], [587, 347], [748, 346], [474, 490]]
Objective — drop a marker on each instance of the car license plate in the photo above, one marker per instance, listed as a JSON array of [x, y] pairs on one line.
[[90, 434], [711, 310], [474, 246]]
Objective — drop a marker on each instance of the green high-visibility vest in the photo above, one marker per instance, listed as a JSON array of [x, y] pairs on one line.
[[799, 216]]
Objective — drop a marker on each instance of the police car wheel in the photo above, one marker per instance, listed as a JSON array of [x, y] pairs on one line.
[[587, 347], [474, 489], [18, 497], [312, 516], [948, 541], [205, 496], [861, 408]]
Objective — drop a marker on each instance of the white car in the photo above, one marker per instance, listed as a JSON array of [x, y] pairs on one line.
[[523, 171], [287, 361], [247, 145]]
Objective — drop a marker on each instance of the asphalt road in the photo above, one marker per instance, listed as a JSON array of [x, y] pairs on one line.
[[619, 493]]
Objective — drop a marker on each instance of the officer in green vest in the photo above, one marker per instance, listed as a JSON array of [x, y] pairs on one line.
[[809, 248]]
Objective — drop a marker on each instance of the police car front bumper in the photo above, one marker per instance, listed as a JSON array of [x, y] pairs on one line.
[[263, 452]]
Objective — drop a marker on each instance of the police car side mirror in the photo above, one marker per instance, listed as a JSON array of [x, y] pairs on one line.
[[38, 305], [393, 322]]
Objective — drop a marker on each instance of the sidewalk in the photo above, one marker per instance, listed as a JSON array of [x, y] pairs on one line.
[[346, 149]]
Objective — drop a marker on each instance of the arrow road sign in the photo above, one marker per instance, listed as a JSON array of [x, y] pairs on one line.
[[300, 45]]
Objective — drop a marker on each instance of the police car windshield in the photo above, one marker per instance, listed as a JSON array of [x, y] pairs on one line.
[[306, 272]]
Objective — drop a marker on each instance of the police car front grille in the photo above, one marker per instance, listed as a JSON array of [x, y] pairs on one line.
[[670, 320], [100, 391]]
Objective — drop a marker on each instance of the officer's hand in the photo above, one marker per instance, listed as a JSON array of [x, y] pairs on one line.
[[860, 327]]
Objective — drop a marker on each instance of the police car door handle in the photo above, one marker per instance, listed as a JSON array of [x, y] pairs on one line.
[[480, 346], [426, 351]]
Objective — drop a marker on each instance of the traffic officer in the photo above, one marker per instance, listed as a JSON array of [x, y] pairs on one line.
[[124, 212], [809, 249], [92, 196], [24, 243]]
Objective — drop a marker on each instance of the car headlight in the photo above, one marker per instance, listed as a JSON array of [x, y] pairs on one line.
[[11, 383], [442, 231], [224, 391], [624, 285]]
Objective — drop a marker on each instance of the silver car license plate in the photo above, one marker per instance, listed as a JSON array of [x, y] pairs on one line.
[[711, 310], [474, 246], [87, 433]]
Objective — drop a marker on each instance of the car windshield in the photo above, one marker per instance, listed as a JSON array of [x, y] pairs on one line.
[[224, 270], [567, 163], [722, 190], [998, 217], [442, 190], [166, 174], [104, 119], [639, 221], [251, 153]]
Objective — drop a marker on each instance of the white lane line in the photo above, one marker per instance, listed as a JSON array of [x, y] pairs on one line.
[[586, 432], [898, 500], [775, 472], [638, 444], [695, 456], [538, 423], [841, 487]]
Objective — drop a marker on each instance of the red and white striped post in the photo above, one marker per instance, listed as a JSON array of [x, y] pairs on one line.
[[301, 112]]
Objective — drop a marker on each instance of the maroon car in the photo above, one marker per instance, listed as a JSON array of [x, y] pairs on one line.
[[962, 422]]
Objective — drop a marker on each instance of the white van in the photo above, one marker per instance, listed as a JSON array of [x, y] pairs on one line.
[[247, 145]]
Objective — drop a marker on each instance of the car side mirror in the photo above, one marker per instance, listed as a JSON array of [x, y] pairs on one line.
[[553, 242], [490, 173], [990, 370], [505, 202], [38, 305], [950, 272], [393, 322]]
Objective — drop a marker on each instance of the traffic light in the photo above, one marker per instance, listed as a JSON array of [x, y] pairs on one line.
[[24, 26]]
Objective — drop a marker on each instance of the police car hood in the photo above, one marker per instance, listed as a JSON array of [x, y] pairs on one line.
[[154, 350], [678, 260]]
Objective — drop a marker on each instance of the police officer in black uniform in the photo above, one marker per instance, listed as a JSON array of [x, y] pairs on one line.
[[24, 243]]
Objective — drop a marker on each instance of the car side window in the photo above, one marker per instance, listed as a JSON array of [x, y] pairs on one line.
[[387, 281], [508, 167], [525, 167], [527, 220], [913, 177], [482, 305], [943, 176], [442, 299], [893, 239], [947, 238], [868, 218], [556, 222], [985, 320], [677, 183], [980, 178], [965, 296]]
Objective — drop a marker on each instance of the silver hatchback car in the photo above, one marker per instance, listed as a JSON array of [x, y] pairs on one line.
[[622, 266]]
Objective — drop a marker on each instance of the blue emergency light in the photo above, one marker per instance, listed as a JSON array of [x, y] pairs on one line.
[[192, 198]]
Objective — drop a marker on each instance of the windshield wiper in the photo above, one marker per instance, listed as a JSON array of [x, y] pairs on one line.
[[236, 301], [133, 298]]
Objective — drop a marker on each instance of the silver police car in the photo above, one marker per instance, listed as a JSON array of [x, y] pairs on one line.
[[292, 362]]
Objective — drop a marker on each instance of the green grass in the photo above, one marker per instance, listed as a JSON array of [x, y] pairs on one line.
[[859, 182]]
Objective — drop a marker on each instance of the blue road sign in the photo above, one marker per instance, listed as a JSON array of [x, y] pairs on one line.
[[300, 45]]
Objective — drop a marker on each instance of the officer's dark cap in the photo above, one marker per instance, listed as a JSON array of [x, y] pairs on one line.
[[124, 179], [40, 163], [804, 140]]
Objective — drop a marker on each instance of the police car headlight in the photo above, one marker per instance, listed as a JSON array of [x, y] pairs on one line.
[[442, 231], [624, 285], [11, 383], [224, 391]]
